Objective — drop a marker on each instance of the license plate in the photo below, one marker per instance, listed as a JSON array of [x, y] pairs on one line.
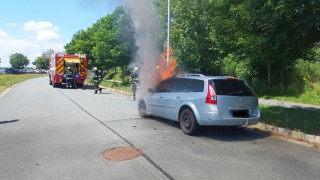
[[240, 113]]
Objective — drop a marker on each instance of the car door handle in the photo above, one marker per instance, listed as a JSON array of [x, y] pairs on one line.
[[178, 97]]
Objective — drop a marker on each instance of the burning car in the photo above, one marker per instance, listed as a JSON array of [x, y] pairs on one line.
[[195, 100]]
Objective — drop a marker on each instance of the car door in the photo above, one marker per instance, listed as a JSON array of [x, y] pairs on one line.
[[155, 101], [173, 98]]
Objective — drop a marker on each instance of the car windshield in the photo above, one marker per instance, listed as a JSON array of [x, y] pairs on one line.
[[231, 87]]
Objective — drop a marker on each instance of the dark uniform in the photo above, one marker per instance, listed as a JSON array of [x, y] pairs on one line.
[[96, 81], [69, 78]]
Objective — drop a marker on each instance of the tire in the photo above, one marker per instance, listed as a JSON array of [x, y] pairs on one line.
[[55, 85], [50, 81], [142, 108], [188, 122], [80, 85]]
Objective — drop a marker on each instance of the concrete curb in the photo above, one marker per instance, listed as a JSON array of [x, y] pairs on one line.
[[295, 135]]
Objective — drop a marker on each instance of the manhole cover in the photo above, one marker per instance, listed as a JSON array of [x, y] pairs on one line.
[[121, 153]]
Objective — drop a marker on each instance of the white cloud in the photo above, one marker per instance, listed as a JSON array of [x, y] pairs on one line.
[[41, 25], [45, 31], [3, 35], [44, 35], [38, 37]]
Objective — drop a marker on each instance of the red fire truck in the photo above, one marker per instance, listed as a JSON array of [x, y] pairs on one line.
[[59, 62]]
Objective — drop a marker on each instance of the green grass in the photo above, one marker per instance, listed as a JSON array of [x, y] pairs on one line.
[[117, 86], [8, 80], [311, 95], [298, 119]]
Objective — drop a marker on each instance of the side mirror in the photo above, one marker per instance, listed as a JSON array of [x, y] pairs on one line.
[[150, 90]]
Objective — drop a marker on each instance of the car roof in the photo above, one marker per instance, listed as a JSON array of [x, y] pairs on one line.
[[203, 77]]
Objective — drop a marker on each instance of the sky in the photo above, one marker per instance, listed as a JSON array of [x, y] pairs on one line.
[[34, 26]]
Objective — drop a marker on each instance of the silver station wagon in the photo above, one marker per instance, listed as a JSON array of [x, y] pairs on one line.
[[196, 100]]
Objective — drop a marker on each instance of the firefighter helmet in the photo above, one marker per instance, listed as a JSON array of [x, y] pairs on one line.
[[135, 69], [95, 68], [69, 67]]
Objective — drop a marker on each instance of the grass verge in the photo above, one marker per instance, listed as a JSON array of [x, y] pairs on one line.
[[8, 80], [298, 119], [310, 95]]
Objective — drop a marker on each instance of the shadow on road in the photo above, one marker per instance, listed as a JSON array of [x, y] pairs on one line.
[[88, 86], [10, 121], [221, 133]]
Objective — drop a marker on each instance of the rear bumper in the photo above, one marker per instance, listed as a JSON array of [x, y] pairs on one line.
[[62, 80], [214, 118]]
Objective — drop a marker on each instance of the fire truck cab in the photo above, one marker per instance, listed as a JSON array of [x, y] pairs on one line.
[[58, 64]]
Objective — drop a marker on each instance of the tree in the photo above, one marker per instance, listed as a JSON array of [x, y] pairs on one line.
[[108, 43], [271, 35], [194, 43], [18, 60], [82, 43], [42, 62]]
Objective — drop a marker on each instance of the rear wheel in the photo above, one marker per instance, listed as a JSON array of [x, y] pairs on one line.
[[188, 122], [50, 81], [79, 85]]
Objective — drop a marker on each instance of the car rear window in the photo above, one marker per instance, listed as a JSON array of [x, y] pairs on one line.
[[231, 87]]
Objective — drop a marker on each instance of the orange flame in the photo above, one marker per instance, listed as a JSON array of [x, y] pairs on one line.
[[165, 69]]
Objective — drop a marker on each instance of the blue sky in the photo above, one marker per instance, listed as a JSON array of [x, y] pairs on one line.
[[33, 26]]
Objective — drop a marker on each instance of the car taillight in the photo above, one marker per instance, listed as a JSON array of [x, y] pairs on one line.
[[211, 96]]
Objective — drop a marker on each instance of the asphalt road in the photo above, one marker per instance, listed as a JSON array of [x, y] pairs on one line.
[[56, 133]]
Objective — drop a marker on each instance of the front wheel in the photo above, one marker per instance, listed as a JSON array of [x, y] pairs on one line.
[[188, 122], [142, 108]]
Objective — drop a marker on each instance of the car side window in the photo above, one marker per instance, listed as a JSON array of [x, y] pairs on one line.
[[196, 85], [179, 85], [164, 85]]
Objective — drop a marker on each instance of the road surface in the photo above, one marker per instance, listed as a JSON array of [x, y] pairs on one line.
[[56, 133]]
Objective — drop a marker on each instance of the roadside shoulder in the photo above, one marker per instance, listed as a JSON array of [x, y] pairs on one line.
[[296, 136], [287, 104]]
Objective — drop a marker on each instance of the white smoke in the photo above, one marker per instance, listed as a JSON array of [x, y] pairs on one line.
[[147, 28]]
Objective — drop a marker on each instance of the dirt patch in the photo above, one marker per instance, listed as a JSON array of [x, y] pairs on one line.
[[3, 91]]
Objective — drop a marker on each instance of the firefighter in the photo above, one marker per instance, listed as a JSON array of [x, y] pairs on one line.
[[134, 80], [69, 77], [96, 80]]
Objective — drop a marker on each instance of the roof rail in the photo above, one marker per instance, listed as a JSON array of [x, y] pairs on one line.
[[191, 74]]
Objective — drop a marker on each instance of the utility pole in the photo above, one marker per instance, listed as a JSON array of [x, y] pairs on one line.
[[168, 33]]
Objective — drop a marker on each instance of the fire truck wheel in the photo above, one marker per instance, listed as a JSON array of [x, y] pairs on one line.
[[50, 82], [79, 85]]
